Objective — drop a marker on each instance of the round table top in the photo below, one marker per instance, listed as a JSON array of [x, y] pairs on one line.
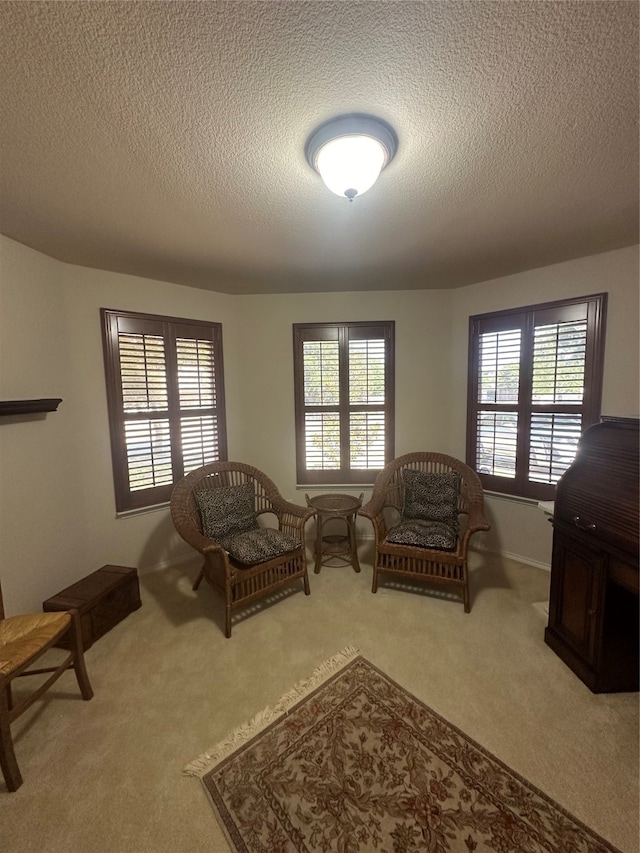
[[335, 503]]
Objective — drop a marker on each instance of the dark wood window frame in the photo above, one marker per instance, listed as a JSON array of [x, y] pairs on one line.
[[524, 408], [343, 409], [191, 411]]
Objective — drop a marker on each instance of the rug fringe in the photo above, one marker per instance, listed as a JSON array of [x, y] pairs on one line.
[[268, 715]]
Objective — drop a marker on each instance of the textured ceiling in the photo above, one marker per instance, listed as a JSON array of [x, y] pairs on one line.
[[166, 139]]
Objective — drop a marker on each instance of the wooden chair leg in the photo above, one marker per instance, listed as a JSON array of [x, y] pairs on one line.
[[307, 590], [8, 762], [78, 656]]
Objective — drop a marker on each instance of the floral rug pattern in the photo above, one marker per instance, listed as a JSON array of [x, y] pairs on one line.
[[360, 765]]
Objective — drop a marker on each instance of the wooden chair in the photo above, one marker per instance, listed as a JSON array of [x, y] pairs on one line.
[[23, 640], [385, 508], [239, 576]]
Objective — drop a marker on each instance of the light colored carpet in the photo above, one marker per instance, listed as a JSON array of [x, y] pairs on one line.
[[105, 776]]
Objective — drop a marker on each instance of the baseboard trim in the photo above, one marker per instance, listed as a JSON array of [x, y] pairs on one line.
[[518, 558]]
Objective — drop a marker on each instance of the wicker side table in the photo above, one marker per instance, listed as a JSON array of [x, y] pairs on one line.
[[336, 546]]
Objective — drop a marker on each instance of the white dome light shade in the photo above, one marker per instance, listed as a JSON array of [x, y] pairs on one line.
[[350, 151], [350, 163]]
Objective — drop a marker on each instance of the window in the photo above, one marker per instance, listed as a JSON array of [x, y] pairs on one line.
[[344, 400], [165, 394], [535, 385]]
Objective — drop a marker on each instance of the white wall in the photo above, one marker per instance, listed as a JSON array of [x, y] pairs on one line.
[[57, 512]]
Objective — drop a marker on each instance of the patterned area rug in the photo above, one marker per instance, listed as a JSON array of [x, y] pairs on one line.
[[350, 762]]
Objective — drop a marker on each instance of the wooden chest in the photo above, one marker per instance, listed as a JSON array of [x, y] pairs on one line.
[[103, 599]]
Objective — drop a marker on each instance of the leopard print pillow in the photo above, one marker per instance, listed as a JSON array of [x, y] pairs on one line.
[[431, 497], [227, 510]]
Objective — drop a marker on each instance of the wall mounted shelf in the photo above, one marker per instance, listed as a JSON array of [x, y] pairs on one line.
[[29, 407]]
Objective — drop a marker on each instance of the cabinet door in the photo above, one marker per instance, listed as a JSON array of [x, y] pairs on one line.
[[577, 588]]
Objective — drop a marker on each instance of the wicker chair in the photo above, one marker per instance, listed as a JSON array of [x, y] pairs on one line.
[[240, 581], [384, 510], [23, 640]]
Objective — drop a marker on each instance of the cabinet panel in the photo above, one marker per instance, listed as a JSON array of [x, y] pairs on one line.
[[577, 579]]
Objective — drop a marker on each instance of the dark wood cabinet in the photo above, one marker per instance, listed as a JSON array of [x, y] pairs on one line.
[[593, 608]]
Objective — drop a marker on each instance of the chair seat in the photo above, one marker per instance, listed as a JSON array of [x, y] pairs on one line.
[[424, 534], [258, 546], [23, 637]]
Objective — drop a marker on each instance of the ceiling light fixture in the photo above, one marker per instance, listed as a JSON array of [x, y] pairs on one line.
[[350, 151]]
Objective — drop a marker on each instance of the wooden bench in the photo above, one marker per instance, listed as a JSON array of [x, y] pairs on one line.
[[102, 598]]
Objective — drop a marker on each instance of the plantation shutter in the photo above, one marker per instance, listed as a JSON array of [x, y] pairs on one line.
[[344, 401], [164, 390], [145, 404], [558, 389], [198, 401], [321, 400], [367, 386], [535, 384], [498, 393]]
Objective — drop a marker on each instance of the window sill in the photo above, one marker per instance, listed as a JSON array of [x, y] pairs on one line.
[[317, 487], [143, 510], [503, 496]]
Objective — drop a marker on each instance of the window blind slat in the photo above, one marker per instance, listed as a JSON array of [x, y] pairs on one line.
[[200, 441], [148, 448], [367, 371], [499, 373], [559, 357], [322, 441], [196, 373], [497, 434], [143, 372], [321, 373], [553, 442], [367, 440]]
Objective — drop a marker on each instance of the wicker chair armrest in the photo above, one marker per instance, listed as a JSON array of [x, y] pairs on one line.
[[477, 520], [373, 507], [293, 519], [216, 558], [297, 511], [377, 518]]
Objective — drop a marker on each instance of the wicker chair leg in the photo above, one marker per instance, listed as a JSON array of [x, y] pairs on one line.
[[198, 579], [465, 597], [8, 762], [374, 585], [227, 621], [307, 590]]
